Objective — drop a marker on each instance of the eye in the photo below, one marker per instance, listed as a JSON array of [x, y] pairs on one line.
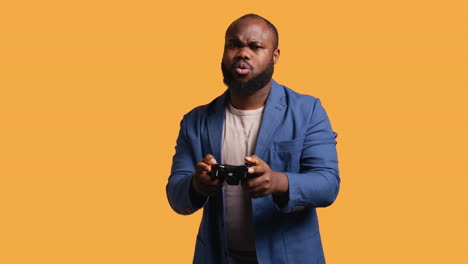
[[255, 46], [230, 45]]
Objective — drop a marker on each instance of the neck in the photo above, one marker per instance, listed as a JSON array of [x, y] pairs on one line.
[[252, 101]]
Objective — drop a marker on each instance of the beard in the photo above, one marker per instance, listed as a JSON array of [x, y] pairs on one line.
[[250, 86]]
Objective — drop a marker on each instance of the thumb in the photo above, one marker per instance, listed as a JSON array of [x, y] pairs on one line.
[[253, 159]]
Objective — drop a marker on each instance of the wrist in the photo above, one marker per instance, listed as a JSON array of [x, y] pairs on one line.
[[281, 197], [195, 196], [195, 187], [283, 183]]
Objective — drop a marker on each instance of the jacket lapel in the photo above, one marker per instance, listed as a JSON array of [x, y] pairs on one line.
[[216, 125], [272, 114]]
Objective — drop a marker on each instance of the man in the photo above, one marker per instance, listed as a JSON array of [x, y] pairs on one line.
[[287, 139]]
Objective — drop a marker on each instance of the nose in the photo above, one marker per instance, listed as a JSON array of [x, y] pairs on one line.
[[243, 53]]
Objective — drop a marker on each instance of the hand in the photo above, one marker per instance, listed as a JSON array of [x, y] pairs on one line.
[[201, 180], [267, 181]]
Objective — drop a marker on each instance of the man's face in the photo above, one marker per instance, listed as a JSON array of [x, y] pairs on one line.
[[249, 55]]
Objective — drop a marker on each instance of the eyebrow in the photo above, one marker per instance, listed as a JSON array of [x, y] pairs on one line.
[[252, 42]]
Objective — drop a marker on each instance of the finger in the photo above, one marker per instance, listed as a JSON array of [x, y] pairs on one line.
[[203, 167], [251, 183], [211, 187], [253, 159], [257, 184], [259, 187], [207, 179], [258, 191], [210, 191], [259, 194], [258, 170], [210, 160], [208, 187]]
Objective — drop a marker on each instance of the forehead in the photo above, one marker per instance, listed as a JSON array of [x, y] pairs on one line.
[[250, 29]]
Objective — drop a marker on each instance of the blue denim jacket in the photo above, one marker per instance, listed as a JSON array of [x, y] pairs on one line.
[[296, 138]]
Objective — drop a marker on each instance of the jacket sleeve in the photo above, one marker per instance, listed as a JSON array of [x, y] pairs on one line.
[[317, 183], [180, 194]]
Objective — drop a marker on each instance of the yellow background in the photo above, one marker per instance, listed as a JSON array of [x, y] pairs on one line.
[[92, 93]]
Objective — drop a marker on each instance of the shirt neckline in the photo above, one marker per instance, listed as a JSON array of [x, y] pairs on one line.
[[238, 112]]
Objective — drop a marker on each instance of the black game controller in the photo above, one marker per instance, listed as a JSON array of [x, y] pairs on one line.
[[231, 174]]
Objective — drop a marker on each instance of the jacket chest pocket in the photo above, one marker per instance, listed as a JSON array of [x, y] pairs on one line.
[[286, 155]]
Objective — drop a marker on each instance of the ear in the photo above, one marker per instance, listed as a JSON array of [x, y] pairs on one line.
[[276, 55]]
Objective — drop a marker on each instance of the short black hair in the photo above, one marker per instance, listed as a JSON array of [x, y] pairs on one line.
[[269, 24]]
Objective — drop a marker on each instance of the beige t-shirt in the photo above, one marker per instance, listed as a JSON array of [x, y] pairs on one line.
[[239, 140]]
